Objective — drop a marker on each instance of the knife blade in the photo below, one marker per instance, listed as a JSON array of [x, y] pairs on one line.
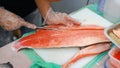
[[46, 28]]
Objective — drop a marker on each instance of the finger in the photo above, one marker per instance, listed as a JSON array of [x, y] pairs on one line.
[[28, 25], [72, 21], [6, 27]]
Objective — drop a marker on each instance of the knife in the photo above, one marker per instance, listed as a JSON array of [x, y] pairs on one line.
[[46, 28]]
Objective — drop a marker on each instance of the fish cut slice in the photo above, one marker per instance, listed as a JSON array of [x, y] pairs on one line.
[[88, 51], [77, 36]]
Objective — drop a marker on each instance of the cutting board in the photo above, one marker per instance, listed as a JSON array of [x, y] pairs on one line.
[[62, 55]]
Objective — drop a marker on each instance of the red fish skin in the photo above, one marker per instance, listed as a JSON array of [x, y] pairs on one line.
[[88, 51], [61, 38], [76, 37]]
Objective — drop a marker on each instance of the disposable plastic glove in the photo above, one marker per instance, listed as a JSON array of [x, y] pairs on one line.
[[59, 18], [9, 21]]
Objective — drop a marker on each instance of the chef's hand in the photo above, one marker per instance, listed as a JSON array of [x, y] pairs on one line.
[[9, 21], [59, 18]]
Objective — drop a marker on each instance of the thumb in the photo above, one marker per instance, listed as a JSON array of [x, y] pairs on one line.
[[28, 25]]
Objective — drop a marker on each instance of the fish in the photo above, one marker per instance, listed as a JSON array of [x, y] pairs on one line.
[[62, 36], [88, 51]]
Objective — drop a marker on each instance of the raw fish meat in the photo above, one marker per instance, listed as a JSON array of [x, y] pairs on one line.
[[62, 36], [88, 51]]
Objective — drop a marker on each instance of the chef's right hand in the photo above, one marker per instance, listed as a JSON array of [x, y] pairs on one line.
[[10, 21], [60, 18]]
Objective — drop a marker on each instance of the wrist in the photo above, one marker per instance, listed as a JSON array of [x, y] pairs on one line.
[[43, 6]]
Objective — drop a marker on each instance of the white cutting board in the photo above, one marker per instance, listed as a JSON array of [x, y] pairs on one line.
[[62, 55]]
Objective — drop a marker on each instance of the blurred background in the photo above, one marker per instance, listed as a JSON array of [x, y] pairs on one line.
[[69, 6]]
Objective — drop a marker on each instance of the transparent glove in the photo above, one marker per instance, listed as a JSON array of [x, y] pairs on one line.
[[10, 21], [59, 18]]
